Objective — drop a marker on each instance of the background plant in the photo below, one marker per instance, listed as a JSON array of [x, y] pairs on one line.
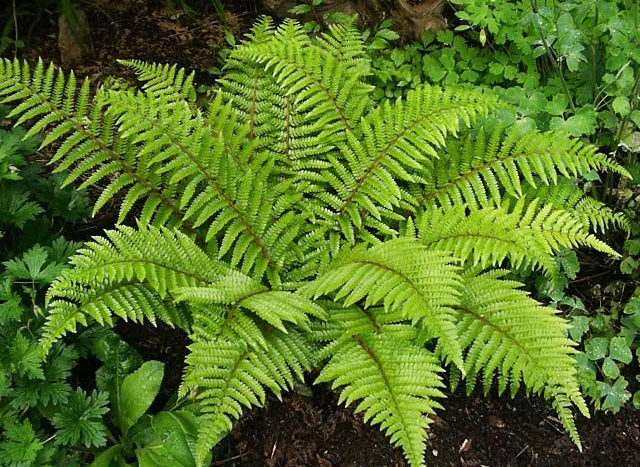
[[35, 394], [570, 66]]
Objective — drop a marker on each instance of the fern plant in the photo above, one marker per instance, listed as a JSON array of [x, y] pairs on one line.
[[294, 223]]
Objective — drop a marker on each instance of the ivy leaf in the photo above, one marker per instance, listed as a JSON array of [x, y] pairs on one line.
[[619, 350]]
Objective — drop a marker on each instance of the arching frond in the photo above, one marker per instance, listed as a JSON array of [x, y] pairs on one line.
[[88, 143], [492, 330], [163, 80], [486, 165], [231, 201], [527, 235], [227, 373], [396, 384], [394, 144], [566, 195], [130, 273]]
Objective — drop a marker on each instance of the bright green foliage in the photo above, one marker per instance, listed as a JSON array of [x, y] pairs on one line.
[[297, 223], [396, 383]]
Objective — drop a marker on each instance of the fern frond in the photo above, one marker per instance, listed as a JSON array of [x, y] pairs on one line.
[[396, 383], [298, 187], [227, 373], [593, 214], [272, 306], [218, 193], [163, 80], [528, 235], [486, 165], [89, 146], [404, 276], [394, 145], [300, 99], [505, 332], [130, 273], [330, 91]]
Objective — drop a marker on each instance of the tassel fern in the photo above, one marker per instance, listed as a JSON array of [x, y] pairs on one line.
[[297, 224]]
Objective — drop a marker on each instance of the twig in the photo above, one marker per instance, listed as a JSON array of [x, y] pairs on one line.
[[15, 29], [593, 276], [522, 450], [231, 459]]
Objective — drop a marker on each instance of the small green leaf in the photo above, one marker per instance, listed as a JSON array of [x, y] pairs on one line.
[[596, 347], [610, 369], [621, 106], [174, 436], [615, 395], [584, 122], [636, 400], [619, 350], [387, 34], [558, 104], [629, 265], [579, 325], [138, 391], [107, 457]]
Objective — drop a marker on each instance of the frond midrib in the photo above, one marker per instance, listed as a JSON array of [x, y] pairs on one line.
[[504, 333], [396, 406], [470, 173], [376, 160], [114, 155], [216, 186], [325, 91], [150, 262]]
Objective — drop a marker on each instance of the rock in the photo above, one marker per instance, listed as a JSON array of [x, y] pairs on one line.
[[75, 46], [411, 18]]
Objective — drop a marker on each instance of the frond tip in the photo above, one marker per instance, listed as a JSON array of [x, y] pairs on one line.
[[396, 383]]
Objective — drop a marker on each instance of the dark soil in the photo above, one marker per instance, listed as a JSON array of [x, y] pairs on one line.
[[148, 30], [313, 430]]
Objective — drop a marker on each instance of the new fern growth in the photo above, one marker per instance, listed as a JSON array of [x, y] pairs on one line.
[[296, 224]]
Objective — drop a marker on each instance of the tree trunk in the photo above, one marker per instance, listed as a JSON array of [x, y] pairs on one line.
[[411, 18]]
